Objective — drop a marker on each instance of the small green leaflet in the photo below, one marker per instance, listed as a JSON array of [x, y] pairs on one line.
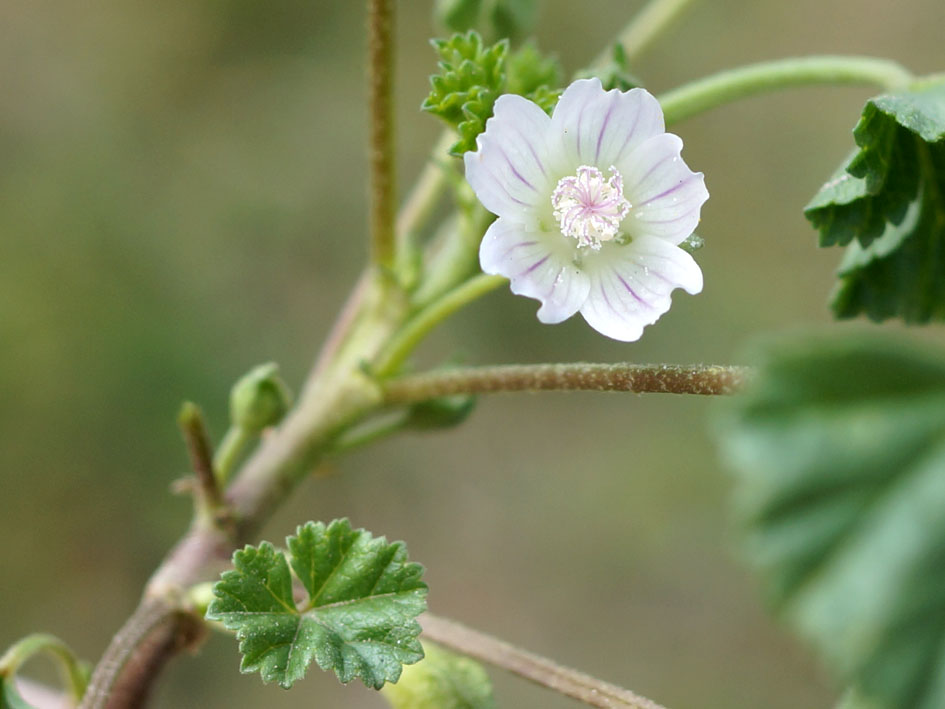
[[442, 680], [888, 203], [838, 447], [358, 616]]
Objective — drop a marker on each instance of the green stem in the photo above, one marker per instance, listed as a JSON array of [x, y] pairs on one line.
[[735, 84], [421, 204], [645, 28], [701, 379], [228, 454], [380, 69], [409, 336], [73, 673]]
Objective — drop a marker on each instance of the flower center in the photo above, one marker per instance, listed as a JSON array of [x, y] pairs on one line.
[[588, 207]]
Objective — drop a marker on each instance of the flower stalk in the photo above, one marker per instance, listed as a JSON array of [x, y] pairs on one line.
[[728, 86], [698, 379], [537, 669], [380, 70]]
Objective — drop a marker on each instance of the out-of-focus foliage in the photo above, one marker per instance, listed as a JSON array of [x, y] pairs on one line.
[[839, 450], [495, 19]]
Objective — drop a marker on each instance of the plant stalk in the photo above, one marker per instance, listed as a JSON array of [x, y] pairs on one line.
[[732, 85]]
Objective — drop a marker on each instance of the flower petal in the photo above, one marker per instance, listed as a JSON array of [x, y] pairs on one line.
[[508, 172], [539, 264], [631, 285], [666, 197], [598, 127]]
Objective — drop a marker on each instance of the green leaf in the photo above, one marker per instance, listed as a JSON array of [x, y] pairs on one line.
[[442, 680], [358, 616], [839, 453], [888, 203], [471, 78]]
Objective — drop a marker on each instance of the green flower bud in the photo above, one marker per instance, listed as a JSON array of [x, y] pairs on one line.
[[259, 399], [442, 412], [441, 680]]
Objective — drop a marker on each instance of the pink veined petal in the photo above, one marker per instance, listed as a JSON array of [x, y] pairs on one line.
[[598, 127], [509, 171], [539, 265], [630, 285], [666, 197]]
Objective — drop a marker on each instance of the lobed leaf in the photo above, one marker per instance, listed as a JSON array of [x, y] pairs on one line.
[[358, 616], [838, 449], [888, 203]]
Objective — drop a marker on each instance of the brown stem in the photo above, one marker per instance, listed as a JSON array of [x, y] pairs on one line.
[[380, 69], [195, 434], [650, 378], [338, 395], [535, 668], [154, 633]]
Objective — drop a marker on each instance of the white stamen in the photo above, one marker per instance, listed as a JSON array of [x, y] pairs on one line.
[[588, 207]]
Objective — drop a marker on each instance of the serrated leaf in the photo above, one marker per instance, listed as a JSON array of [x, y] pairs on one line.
[[888, 203], [839, 453], [362, 597], [442, 680]]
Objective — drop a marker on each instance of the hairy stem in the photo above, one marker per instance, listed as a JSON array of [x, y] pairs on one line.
[[735, 84], [535, 668], [154, 633], [699, 379], [380, 68], [645, 28]]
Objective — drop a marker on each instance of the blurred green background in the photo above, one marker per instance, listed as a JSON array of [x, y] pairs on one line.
[[182, 196]]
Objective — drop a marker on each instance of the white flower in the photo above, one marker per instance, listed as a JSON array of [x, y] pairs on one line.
[[592, 204]]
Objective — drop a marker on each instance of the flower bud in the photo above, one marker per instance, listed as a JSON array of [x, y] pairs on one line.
[[442, 680], [259, 399]]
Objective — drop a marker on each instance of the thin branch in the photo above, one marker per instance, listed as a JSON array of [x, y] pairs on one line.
[[194, 429], [535, 668], [103, 690], [419, 326], [734, 84], [422, 201], [380, 68], [640, 378]]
